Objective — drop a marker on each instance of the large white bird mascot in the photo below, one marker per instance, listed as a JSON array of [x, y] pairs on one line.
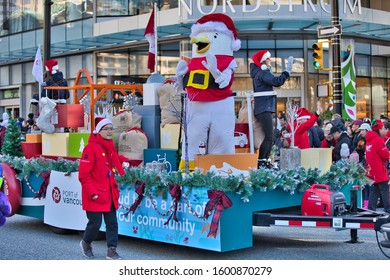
[[207, 79]]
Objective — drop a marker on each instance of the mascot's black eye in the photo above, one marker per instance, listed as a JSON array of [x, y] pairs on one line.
[[215, 35]]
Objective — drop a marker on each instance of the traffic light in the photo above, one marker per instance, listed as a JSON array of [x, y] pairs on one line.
[[318, 55]]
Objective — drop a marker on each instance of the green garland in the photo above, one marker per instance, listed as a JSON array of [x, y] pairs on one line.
[[299, 179]]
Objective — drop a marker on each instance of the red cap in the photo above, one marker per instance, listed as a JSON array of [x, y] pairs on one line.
[[376, 124], [217, 22], [51, 65], [303, 113], [260, 56]]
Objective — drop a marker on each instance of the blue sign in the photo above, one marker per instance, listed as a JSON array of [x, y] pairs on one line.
[[152, 219]]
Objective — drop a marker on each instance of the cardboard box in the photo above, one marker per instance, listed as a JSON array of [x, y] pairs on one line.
[[70, 115], [169, 136], [77, 142], [56, 144], [320, 158], [167, 156], [33, 138], [31, 150], [228, 164]]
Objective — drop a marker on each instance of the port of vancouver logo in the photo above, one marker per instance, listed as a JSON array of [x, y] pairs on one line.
[[56, 194]]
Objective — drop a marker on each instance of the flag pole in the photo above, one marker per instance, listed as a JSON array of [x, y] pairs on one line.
[[155, 38]]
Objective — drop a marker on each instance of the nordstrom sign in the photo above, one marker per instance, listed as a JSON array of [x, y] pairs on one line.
[[256, 5]]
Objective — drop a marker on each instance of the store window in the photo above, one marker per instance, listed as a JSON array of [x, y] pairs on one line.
[[363, 98], [379, 97]]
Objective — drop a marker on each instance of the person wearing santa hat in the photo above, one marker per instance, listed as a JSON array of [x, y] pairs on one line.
[[377, 155], [207, 79], [264, 82], [54, 77], [99, 164], [304, 121]]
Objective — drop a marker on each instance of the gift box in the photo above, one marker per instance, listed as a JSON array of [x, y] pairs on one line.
[[70, 115], [320, 158], [169, 136], [56, 144], [33, 138], [31, 150], [150, 96], [77, 142], [241, 138], [226, 163], [167, 156]]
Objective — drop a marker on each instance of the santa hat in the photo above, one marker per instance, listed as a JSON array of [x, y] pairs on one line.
[[376, 124], [220, 23], [303, 114], [100, 123], [259, 57], [52, 66]]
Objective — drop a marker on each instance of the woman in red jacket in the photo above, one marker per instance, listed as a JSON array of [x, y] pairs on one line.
[[376, 156], [98, 166]]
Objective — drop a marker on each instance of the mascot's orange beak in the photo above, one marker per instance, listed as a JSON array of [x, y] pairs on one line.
[[202, 43]]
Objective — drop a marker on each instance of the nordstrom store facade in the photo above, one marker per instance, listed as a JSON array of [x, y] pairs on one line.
[[106, 37]]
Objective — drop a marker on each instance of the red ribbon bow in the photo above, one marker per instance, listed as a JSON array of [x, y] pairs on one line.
[[218, 201], [43, 187], [139, 189], [175, 192]]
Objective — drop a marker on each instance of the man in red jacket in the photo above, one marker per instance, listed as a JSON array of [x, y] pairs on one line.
[[98, 165], [376, 156]]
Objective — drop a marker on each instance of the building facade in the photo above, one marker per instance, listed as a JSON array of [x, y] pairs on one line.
[[107, 38]]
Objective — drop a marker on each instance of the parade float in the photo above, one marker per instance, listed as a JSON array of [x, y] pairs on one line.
[[211, 205], [210, 208]]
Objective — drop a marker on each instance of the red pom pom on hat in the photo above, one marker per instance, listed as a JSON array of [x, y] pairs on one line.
[[260, 57]]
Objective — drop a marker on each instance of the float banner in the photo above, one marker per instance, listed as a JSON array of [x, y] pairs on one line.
[[348, 78], [151, 220], [63, 202]]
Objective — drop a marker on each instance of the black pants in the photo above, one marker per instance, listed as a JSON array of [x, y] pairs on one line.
[[266, 122], [377, 190], [94, 223]]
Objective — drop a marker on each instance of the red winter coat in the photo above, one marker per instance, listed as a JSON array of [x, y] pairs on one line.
[[301, 136], [98, 164], [376, 156]]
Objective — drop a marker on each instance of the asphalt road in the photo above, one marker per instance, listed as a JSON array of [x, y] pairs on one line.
[[25, 238]]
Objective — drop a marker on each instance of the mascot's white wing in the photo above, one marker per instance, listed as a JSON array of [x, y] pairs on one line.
[[181, 70], [222, 78], [44, 120]]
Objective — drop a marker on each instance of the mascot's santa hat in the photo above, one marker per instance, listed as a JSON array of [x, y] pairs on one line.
[[100, 123], [303, 114], [52, 66], [259, 57], [220, 23]]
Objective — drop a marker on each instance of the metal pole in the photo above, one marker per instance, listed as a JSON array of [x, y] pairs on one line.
[[155, 38], [250, 122], [46, 31], [336, 70]]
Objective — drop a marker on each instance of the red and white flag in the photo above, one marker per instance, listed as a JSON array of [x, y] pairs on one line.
[[37, 70], [150, 35]]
